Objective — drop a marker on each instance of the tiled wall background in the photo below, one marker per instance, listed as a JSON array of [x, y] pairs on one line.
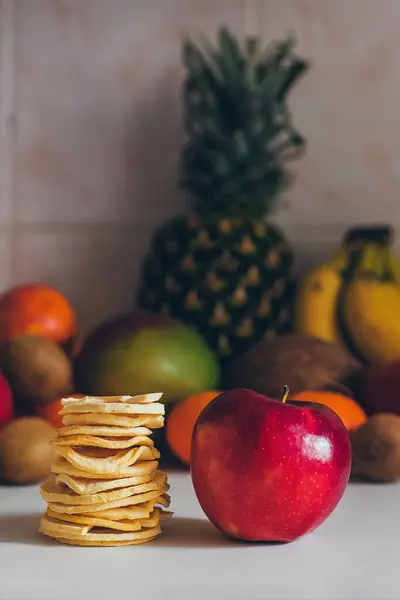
[[90, 130]]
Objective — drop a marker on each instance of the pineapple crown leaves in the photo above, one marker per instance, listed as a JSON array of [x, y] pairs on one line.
[[240, 134]]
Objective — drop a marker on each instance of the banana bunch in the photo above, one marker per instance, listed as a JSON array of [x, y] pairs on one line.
[[316, 304], [371, 307], [354, 299]]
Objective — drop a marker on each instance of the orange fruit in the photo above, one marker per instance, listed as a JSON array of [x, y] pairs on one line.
[[50, 412], [347, 409], [181, 420], [36, 309]]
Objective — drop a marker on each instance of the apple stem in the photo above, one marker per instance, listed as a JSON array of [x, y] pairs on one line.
[[285, 394]]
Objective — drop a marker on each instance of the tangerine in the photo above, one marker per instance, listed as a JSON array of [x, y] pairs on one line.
[[51, 412], [36, 309], [181, 421], [347, 409]]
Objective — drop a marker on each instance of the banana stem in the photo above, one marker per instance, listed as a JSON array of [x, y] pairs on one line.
[[388, 273]]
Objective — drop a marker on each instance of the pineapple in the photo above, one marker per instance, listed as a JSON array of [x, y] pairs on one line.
[[222, 268]]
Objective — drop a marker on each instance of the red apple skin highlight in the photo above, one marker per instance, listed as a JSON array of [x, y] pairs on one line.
[[264, 470]]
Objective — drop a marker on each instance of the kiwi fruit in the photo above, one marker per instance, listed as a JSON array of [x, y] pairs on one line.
[[376, 449], [38, 370], [26, 453], [296, 360]]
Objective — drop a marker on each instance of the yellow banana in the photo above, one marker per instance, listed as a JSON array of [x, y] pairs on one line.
[[368, 305], [371, 310], [315, 311], [373, 235]]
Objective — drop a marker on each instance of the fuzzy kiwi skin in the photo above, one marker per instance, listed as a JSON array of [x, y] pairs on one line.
[[376, 448], [25, 450], [38, 370]]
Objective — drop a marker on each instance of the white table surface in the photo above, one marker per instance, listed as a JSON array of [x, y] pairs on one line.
[[354, 555]]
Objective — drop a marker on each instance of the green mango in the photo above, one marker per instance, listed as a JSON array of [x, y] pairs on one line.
[[143, 353]]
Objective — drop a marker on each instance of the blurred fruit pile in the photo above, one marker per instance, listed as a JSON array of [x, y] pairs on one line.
[[37, 334], [40, 362]]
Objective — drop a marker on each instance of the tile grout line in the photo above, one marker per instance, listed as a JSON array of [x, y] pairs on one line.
[[305, 234], [7, 129]]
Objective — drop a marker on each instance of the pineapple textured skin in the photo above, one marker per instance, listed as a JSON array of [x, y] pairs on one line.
[[227, 278]]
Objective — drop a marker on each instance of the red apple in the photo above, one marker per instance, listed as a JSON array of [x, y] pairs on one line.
[[382, 388], [6, 401], [266, 469]]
